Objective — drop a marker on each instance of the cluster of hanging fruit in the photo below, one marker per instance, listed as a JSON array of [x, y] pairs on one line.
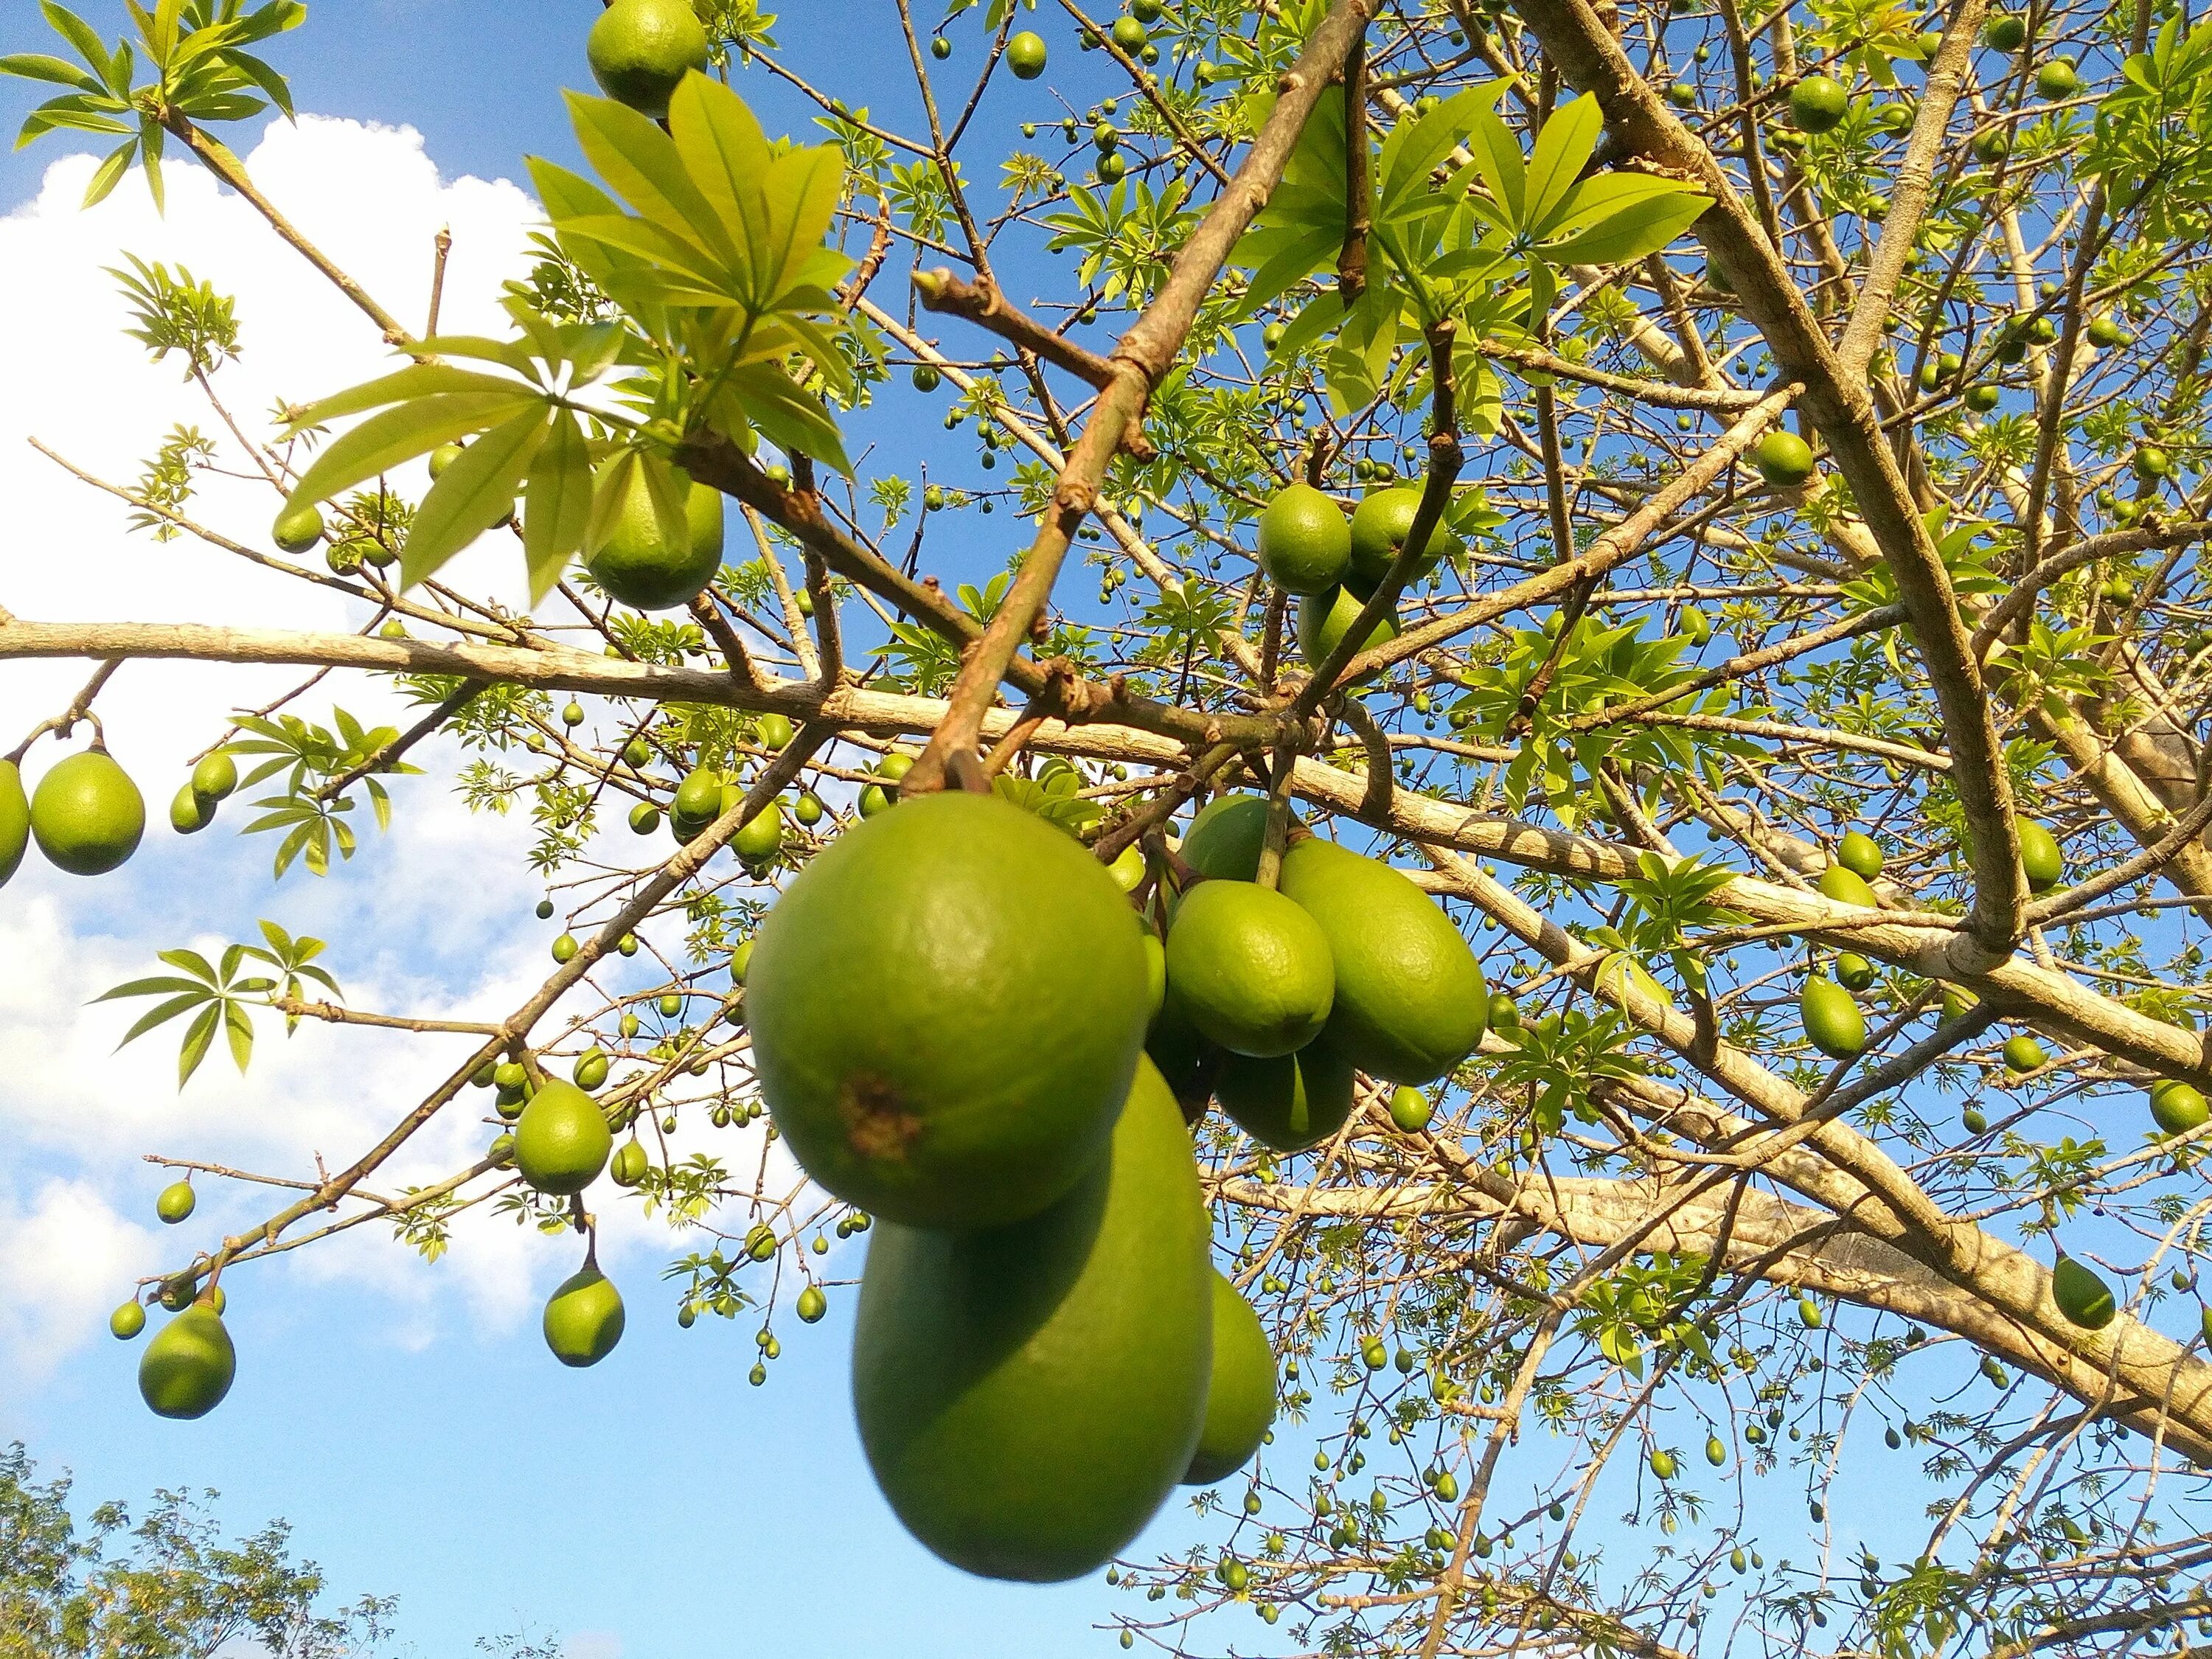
[[88, 816], [950, 1009], [1334, 563]]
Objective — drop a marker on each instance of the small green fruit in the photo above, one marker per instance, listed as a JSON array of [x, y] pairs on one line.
[[1381, 524], [2023, 1054], [584, 1317], [1817, 103], [1663, 1464], [565, 948], [298, 528], [628, 1163], [1784, 459], [644, 818], [2084, 1298], [2178, 1107], [176, 1202], [2040, 859], [1410, 1109], [1845, 887], [638, 565], [1853, 972], [127, 1321], [190, 811], [1833, 1020], [1305, 542], [1860, 855], [1025, 55], [2006, 31]]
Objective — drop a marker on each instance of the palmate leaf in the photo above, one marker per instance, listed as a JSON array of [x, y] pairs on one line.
[[1564, 147], [558, 508], [400, 434]]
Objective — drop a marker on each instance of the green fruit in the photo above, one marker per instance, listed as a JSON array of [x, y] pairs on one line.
[[940, 48], [1957, 1003], [1808, 1316], [761, 837], [1663, 1465], [1305, 545], [1380, 525], [1984, 398], [591, 1069], [1128, 33], [176, 1202], [190, 811], [810, 810], [1289, 1102], [1833, 1020], [774, 731], [637, 565], [216, 777], [1226, 837], [562, 1141], [584, 1317], [1240, 1395], [1853, 972], [699, 797], [640, 50], [565, 948], [442, 458], [1974, 1121], [298, 528], [2058, 79], [14, 820], [628, 1166], [946, 1008], [1784, 459], [1503, 1011], [1411, 1003], [127, 1321], [670, 1005], [189, 1365], [644, 818], [2106, 331], [1028, 1394], [1681, 94], [1326, 618], [1156, 970], [1846, 887], [1410, 1109], [2040, 861], [1716, 1453], [2084, 1298], [1817, 103], [1860, 855], [1250, 969], [1111, 168], [88, 816], [2177, 1106], [2023, 1054], [925, 377], [573, 715], [2005, 31], [1025, 55]]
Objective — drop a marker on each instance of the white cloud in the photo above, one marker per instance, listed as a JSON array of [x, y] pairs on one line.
[[432, 919]]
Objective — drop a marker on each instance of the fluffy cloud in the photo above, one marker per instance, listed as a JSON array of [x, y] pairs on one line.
[[432, 919]]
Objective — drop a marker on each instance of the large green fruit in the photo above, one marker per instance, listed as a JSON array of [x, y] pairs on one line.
[[1250, 969], [1783, 459], [1411, 1003], [640, 49], [189, 1365], [1028, 1395], [1832, 1018], [584, 1317], [760, 838], [1226, 837], [2084, 1298], [2178, 1107], [87, 814], [1846, 887], [637, 564], [1380, 525], [14, 819], [1305, 546], [1323, 619], [1860, 854], [1817, 103], [562, 1141], [1191, 1065], [946, 1009], [2040, 861], [1240, 1396], [1291, 1102]]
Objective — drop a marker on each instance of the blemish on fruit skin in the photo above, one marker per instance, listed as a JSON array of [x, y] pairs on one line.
[[877, 1126]]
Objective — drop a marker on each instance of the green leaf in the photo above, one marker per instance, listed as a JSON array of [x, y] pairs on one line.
[[384, 441], [197, 1037], [1497, 158], [476, 492], [1641, 228], [639, 160], [75, 30], [39, 66], [161, 1013], [726, 157], [239, 1027], [109, 174], [416, 381], [558, 508], [1563, 150], [793, 419], [159, 985]]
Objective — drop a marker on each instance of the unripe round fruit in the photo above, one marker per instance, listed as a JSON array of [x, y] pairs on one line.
[[2023, 1054], [1129, 34], [441, 458], [1250, 969], [189, 1366], [176, 1202], [216, 777], [1381, 524], [127, 1321], [190, 811], [644, 817], [562, 1142], [14, 820], [637, 565], [87, 814], [640, 50], [298, 529], [2005, 31], [1409, 1109], [1783, 459], [1860, 854], [2178, 1107], [1305, 543], [1025, 55], [1817, 103]]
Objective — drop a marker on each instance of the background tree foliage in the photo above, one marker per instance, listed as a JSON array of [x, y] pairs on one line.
[[1655, 1256]]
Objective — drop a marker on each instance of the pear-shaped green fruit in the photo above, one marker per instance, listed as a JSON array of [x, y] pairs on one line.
[[1240, 1396], [87, 814], [699, 797], [1860, 854], [1503, 1011], [584, 1317], [2040, 861], [2084, 1298], [1380, 525], [1663, 1464], [1410, 1109], [628, 1163], [1411, 1003], [1853, 972], [640, 566], [14, 820], [127, 1321], [1326, 618], [562, 1141], [1305, 545], [590, 1070], [1226, 837], [2177, 1106], [1847, 887], [298, 528], [176, 1202], [2022, 1054], [216, 777], [1833, 1020], [1028, 1395], [760, 838], [189, 1365], [191, 811], [640, 50], [1291, 1102], [1251, 968], [946, 1007]]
